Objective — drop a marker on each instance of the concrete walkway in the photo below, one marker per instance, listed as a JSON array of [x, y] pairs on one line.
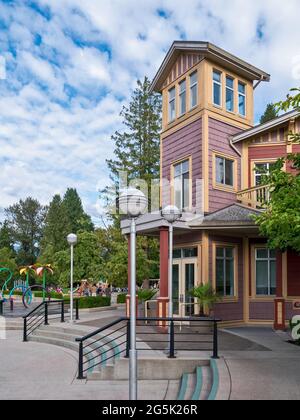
[[264, 375], [34, 371]]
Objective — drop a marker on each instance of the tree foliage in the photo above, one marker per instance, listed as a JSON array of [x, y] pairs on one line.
[[269, 114], [78, 219], [25, 221], [280, 223]]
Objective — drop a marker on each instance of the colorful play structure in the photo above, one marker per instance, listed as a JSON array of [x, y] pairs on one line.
[[23, 286]]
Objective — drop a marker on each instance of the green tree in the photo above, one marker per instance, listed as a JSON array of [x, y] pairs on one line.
[[137, 150], [269, 114], [7, 260], [280, 223], [78, 219], [6, 240], [57, 226], [25, 221]]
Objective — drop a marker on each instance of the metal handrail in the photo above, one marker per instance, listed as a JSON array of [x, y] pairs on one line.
[[86, 362]]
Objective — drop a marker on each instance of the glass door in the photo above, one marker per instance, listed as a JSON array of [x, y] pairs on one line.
[[176, 281], [184, 279]]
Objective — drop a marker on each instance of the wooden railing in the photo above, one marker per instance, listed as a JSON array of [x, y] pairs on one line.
[[255, 197]]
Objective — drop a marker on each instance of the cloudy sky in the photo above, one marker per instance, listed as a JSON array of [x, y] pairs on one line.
[[72, 64]]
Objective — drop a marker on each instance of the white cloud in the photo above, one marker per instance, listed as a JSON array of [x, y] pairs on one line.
[[67, 73]]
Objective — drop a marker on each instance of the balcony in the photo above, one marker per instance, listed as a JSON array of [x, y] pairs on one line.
[[255, 197]]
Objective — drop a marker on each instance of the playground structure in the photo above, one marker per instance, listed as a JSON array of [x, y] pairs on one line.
[[23, 285]]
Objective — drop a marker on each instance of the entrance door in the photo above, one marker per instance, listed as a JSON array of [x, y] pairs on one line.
[[184, 279]]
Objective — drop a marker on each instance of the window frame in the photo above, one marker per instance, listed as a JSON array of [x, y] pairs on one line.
[[235, 248], [173, 100], [220, 84], [192, 85], [233, 93], [244, 95], [269, 259], [218, 185], [180, 96], [173, 178]]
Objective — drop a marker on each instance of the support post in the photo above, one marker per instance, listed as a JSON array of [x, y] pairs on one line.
[[162, 302], [80, 361], [279, 301], [132, 351], [62, 318], [172, 340], [215, 341], [25, 330], [77, 309], [46, 314]]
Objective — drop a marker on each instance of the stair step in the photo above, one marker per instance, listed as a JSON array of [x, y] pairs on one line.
[[172, 391], [199, 384], [207, 383], [191, 385]]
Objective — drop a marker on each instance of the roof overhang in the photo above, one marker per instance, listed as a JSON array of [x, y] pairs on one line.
[[259, 129], [211, 52]]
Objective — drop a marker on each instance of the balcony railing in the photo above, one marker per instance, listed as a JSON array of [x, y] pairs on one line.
[[255, 197]]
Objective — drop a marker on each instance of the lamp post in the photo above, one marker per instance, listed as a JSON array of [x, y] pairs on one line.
[[133, 203], [171, 214], [72, 241]]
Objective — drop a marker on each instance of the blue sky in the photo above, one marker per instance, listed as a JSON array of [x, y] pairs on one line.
[[71, 65]]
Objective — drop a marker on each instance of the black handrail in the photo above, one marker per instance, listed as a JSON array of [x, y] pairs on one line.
[[89, 360], [41, 314]]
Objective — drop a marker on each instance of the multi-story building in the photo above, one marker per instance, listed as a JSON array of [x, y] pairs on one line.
[[211, 160]]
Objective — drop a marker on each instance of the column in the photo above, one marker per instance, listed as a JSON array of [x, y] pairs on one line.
[[162, 304], [279, 322], [128, 282]]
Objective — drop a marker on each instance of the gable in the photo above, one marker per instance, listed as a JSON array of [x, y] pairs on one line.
[[182, 65]]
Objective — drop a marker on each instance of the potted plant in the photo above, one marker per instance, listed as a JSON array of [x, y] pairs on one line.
[[143, 296], [206, 297]]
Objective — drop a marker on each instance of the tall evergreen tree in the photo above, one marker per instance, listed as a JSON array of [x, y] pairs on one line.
[[25, 221], [137, 148], [57, 226], [6, 240], [269, 114], [78, 219]]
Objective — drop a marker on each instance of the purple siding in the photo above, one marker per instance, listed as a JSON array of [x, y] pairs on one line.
[[185, 142], [261, 311], [229, 311], [218, 141]]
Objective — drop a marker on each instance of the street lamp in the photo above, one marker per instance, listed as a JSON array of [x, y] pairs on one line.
[[171, 214], [72, 241], [133, 203]]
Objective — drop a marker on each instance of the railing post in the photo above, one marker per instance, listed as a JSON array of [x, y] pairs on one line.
[[62, 319], [25, 330], [80, 361], [77, 309], [11, 301], [46, 313], [128, 340], [172, 341], [1, 307], [215, 341]]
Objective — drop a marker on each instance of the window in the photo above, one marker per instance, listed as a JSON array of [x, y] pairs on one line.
[[182, 185], [185, 253], [225, 271], [224, 171], [229, 94], [182, 97], [265, 267], [262, 169], [172, 104], [194, 89], [217, 88], [242, 99]]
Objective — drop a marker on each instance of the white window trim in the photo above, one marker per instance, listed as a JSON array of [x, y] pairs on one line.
[[213, 88], [181, 93], [169, 103], [232, 90], [191, 87], [245, 98], [269, 260]]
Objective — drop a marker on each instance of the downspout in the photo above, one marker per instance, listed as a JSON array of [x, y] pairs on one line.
[[233, 146]]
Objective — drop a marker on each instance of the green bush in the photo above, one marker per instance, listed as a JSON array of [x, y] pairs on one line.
[[91, 301], [53, 295], [121, 298]]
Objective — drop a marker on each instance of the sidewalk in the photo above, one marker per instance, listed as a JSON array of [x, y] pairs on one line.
[[264, 375]]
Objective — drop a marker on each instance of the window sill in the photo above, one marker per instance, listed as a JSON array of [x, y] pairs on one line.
[[225, 188], [233, 299]]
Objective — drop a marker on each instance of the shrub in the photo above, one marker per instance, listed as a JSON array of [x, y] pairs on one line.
[[121, 298], [91, 301]]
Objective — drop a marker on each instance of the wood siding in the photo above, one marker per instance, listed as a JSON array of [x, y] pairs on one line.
[[218, 141], [183, 64], [184, 143]]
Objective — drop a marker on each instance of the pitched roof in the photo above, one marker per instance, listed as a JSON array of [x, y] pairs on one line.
[[208, 50], [259, 129], [233, 215]]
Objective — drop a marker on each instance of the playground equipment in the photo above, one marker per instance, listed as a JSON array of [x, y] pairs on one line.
[[9, 278], [28, 292]]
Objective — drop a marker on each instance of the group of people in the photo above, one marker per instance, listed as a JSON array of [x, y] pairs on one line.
[[88, 289]]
